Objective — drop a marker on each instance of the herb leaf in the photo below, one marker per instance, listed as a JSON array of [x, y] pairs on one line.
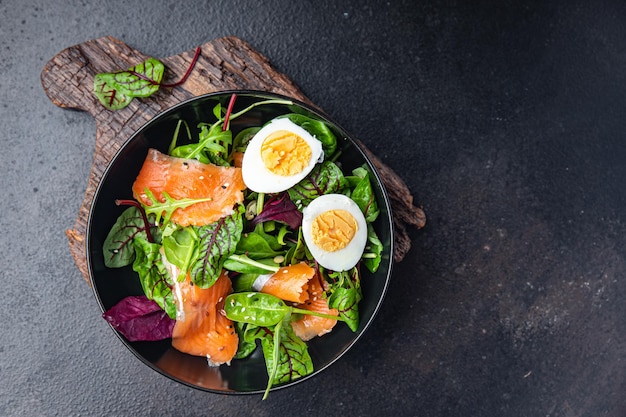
[[217, 241]]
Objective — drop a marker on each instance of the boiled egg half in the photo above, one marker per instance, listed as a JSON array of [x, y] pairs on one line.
[[335, 231], [279, 156]]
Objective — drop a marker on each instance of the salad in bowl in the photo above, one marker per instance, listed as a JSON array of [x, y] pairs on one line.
[[240, 242]]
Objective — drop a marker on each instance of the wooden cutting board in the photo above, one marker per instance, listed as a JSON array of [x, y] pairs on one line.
[[224, 64]]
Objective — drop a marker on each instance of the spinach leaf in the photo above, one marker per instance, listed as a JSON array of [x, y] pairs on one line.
[[256, 245], [318, 129], [263, 309], [325, 178], [373, 250], [181, 249], [247, 345], [243, 282], [240, 143], [345, 295], [297, 252], [154, 277], [118, 249], [363, 195], [217, 241], [255, 308], [245, 265]]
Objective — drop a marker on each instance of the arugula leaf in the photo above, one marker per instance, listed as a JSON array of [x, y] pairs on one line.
[[153, 274], [217, 241], [118, 249], [168, 206], [325, 178]]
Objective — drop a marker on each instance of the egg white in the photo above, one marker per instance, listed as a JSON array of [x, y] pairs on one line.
[[347, 257], [255, 174]]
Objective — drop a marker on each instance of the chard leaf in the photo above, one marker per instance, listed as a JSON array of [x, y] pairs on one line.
[[118, 249], [325, 178], [373, 250], [138, 318], [346, 300], [286, 355], [107, 94], [280, 208], [217, 241], [142, 80], [154, 277]]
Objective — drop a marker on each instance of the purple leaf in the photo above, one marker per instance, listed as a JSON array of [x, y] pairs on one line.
[[138, 318], [281, 209]]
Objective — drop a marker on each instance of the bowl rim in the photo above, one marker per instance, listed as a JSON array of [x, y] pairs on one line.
[[389, 218]]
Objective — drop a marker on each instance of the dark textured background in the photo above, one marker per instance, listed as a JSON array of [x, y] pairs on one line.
[[507, 119]]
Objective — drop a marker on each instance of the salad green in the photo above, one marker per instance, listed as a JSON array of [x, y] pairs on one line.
[[263, 234]]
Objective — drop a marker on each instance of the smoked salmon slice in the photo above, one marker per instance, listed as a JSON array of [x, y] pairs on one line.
[[188, 178], [202, 329], [308, 326], [289, 283]]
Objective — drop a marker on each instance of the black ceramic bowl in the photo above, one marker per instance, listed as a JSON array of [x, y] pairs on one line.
[[111, 285]]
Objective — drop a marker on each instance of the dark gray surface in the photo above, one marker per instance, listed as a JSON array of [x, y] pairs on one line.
[[506, 119]]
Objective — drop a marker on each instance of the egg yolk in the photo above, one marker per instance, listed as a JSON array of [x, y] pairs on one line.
[[333, 229], [284, 153]]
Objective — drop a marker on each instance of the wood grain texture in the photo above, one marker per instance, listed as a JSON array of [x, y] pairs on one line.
[[224, 64]]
